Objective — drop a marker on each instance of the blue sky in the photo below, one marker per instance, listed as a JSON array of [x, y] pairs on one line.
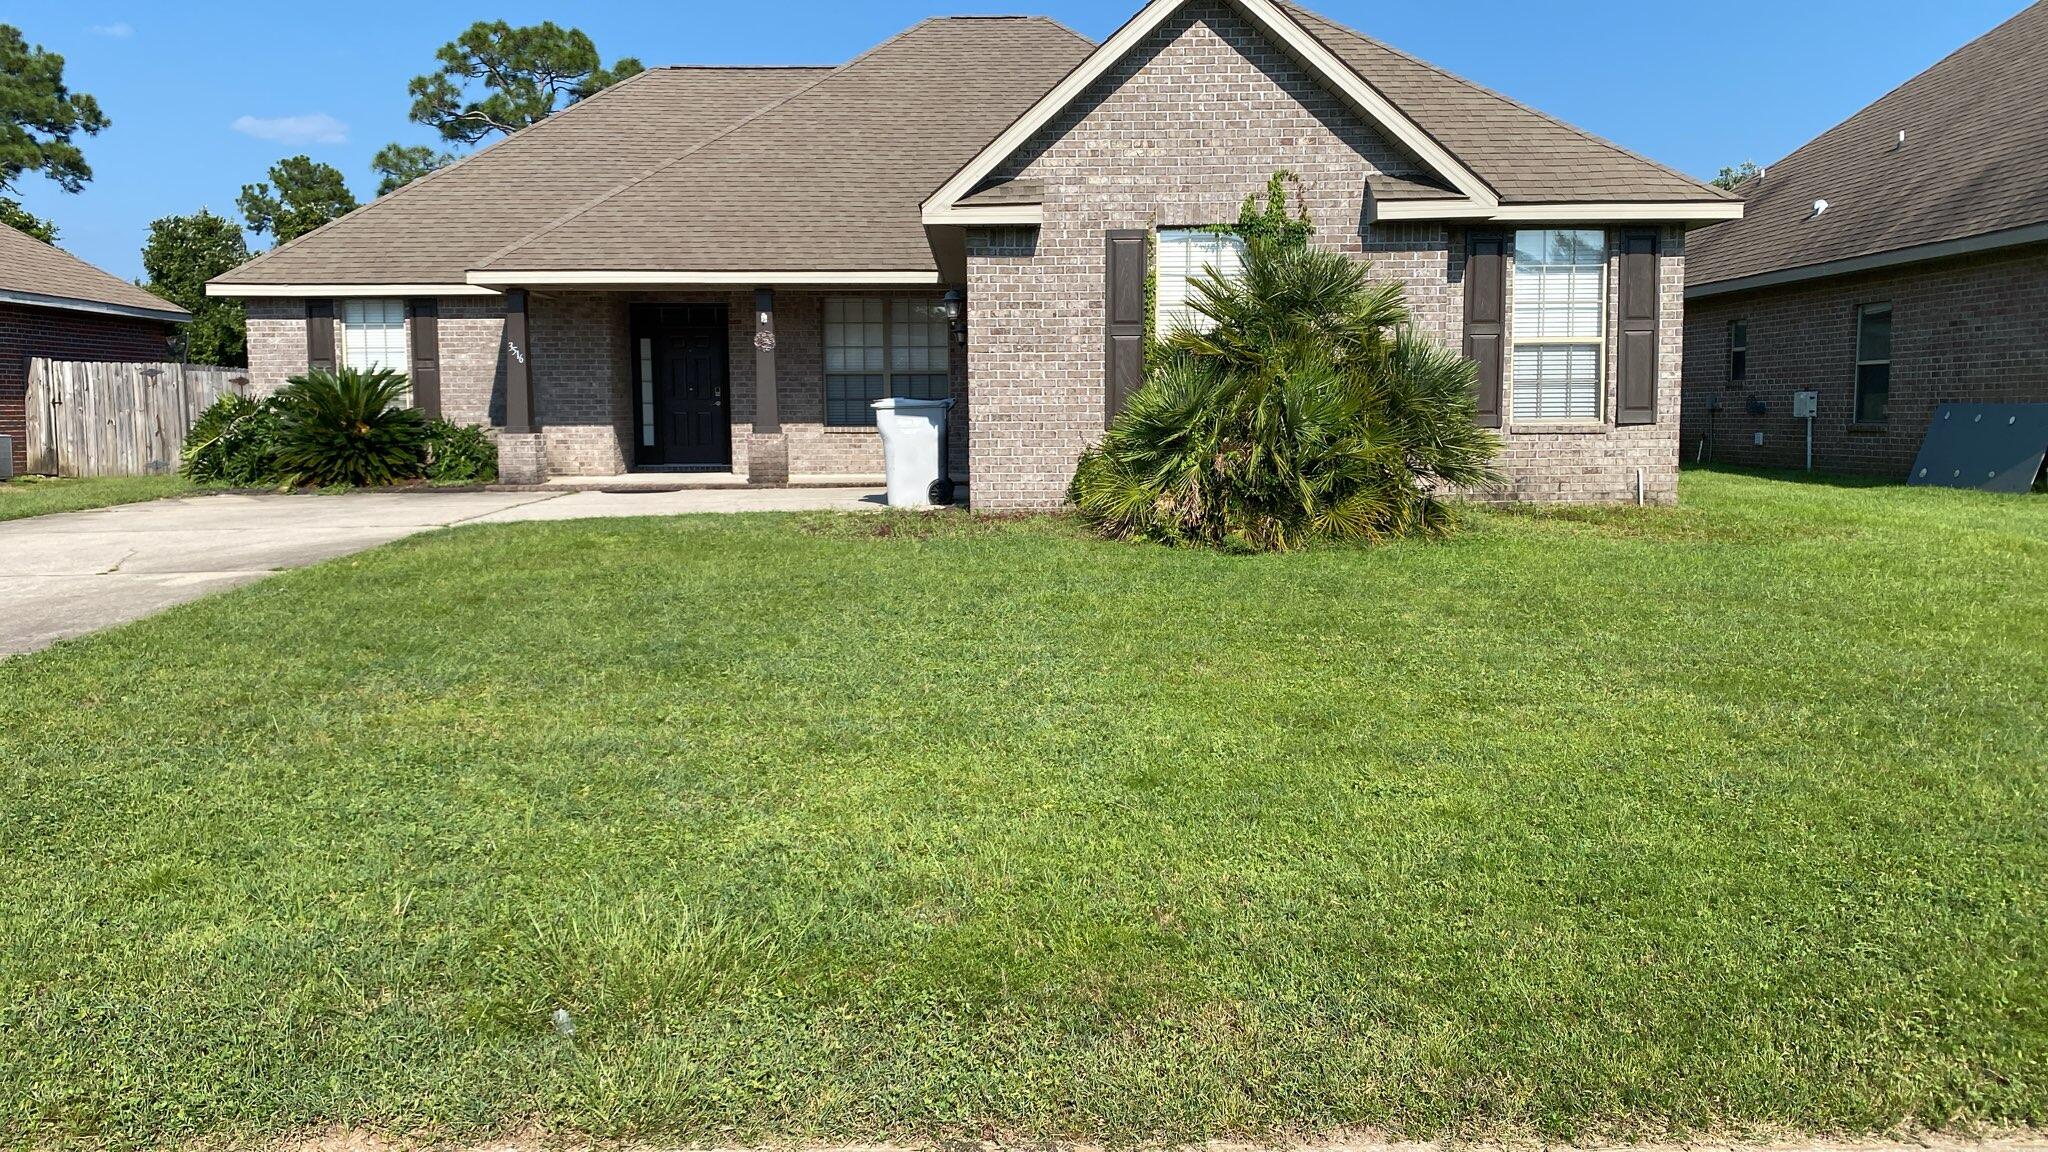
[[204, 97]]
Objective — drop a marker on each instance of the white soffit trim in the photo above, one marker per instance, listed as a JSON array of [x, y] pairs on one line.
[[1029, 214], [169, 313], [1276, 24], [255, 291], [635, 279], [1659, 212], [1969, 245]]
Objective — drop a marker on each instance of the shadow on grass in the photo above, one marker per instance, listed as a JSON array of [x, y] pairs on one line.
[[1796, 476]]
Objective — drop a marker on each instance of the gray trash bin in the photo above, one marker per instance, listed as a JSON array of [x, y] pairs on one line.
[[6, 457], [914, 450]]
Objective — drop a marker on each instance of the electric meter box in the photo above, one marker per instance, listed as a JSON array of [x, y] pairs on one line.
[[1805, 405]]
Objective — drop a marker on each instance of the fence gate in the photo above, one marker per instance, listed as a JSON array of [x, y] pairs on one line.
[[98, 419]]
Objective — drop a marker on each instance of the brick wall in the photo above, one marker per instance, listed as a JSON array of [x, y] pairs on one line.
[[1178, 134], [61, 334], [472, 331], [583, 374], [1971, 329]]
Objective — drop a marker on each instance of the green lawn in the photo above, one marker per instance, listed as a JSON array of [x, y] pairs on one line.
[[42, 495], [1583, 824]]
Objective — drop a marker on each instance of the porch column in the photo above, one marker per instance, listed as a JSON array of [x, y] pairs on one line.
[[767, 449], [522, 451]]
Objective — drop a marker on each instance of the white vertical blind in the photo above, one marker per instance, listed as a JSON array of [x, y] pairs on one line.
[[1184, 254], [1560, 319]]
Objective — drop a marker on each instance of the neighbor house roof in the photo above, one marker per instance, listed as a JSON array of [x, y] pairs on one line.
[[434, 230], [44, 276], [828, 180], [1973, 166]]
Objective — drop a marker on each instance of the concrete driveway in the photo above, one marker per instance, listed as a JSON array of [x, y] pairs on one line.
[[65, 576]]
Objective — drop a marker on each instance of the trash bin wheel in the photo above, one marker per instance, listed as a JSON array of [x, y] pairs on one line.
[[941, 492]]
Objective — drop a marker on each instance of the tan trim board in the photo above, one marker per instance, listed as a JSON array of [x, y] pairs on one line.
[[1695, 211], [1276, 24], [253, 291], [1968, 246], [638, 279], [1031, 214], [169, 314]]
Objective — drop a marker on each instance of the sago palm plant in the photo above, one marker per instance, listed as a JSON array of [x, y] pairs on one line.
[[347, 428], [1304, 409]]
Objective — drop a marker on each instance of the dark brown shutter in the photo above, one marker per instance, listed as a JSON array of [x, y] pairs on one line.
[[319, 335], [1125, 322], [1486, 304], [1636, 393], [426, 355]]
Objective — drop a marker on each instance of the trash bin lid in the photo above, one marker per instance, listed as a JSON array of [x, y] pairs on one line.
[[906, 403]]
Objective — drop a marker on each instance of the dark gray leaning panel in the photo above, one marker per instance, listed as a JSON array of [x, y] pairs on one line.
[[1995, 447]]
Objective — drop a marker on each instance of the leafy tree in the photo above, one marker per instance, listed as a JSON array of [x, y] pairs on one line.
[[39, 120], [526, 74], [401, 164], [1731, 177], [39, 117], [1308, 410], [308, 194], [22, 220], [182, 254]]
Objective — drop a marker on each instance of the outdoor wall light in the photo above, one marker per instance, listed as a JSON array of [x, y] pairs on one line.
[[953, 306]]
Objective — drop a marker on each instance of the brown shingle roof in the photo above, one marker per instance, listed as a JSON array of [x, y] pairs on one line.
[[832, 178], [1975, 161], [33, 272], [1525, 156], [438, 228]]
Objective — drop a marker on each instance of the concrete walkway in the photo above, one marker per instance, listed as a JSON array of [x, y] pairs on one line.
[[68, 575]]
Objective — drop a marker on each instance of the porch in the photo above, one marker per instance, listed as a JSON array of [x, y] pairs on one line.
[[684, 388]]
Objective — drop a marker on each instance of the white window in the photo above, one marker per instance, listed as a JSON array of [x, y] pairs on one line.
[[876, 347], [1560, 323], [1184, 254], [373, 337]]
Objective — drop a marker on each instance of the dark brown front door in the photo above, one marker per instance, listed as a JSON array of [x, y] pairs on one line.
[[681, 378]]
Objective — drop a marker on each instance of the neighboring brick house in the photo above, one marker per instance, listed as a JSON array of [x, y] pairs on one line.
[[56, 306], [716, 269], [1923, 281]]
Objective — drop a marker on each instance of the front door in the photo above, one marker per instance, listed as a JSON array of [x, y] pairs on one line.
[[685, 418]]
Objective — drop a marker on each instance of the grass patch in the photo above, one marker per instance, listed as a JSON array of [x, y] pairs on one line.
[[1716, 819], [42, 495]]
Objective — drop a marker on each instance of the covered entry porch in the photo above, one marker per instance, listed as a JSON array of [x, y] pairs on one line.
[[720, 385]]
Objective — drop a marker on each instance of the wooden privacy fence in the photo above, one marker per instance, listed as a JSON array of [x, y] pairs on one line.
[[95, 419]]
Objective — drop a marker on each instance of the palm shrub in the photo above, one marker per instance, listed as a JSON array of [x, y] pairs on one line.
[[234, 442], [1309, 410], [346, 428]]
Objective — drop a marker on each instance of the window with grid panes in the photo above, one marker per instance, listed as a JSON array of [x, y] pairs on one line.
[[1560, 323], [373, 337], [876, 347]]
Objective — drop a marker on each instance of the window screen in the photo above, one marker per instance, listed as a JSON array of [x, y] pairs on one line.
[[1559, 323], [1184, 254]]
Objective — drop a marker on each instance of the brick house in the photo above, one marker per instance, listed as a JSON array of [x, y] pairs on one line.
[[56, 306], [717, 269], [1923, 280]]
